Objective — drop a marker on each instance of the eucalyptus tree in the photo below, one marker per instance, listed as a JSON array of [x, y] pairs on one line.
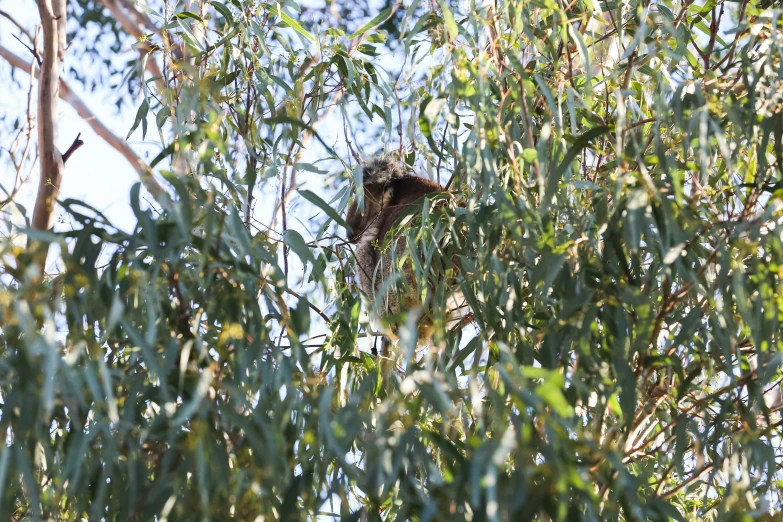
[[613, 222]]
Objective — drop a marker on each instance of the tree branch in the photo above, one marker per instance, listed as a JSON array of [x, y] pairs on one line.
[[127, 16], [695, 477], [74, 146], [19, 26], [141, 19], [114, 141]]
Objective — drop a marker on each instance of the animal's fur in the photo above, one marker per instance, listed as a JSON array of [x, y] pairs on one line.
[[383, 169], [389, 192]]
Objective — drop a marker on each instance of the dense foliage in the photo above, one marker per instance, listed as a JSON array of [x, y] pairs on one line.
[[619, 171]]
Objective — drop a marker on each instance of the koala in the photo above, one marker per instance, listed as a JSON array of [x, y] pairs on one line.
[[389, 192]]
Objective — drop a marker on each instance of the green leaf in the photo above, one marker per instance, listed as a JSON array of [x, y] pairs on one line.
[[552, 393], [378, 20], [448, 19], [187, 14], [290, 22], [187, 34], [309, 167], [161, 117], [224, 11], [141, 114], [168, 151], [320, 203], [297, 243], [582, 141], [433, 108]]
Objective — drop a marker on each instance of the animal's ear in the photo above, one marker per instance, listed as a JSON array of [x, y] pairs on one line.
[[382, 169]]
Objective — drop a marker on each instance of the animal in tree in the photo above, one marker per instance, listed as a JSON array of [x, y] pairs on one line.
[[390, 192]]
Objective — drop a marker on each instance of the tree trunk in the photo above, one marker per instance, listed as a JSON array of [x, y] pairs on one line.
[[53, 24]]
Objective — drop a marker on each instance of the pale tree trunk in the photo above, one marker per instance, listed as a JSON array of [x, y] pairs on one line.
[[53, 24]]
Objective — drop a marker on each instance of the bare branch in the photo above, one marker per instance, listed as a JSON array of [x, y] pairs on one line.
[[32, 51], [141, 19], [123, 18], [27, 131], [695, 477], [116, 142], [74, 146], [18, 25]]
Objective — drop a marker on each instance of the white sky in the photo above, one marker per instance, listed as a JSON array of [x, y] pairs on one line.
[[96, 173]]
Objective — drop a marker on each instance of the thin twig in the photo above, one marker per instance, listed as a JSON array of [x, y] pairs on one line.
[[691, 481], [18, 25], [311, 305], [32, 51]]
